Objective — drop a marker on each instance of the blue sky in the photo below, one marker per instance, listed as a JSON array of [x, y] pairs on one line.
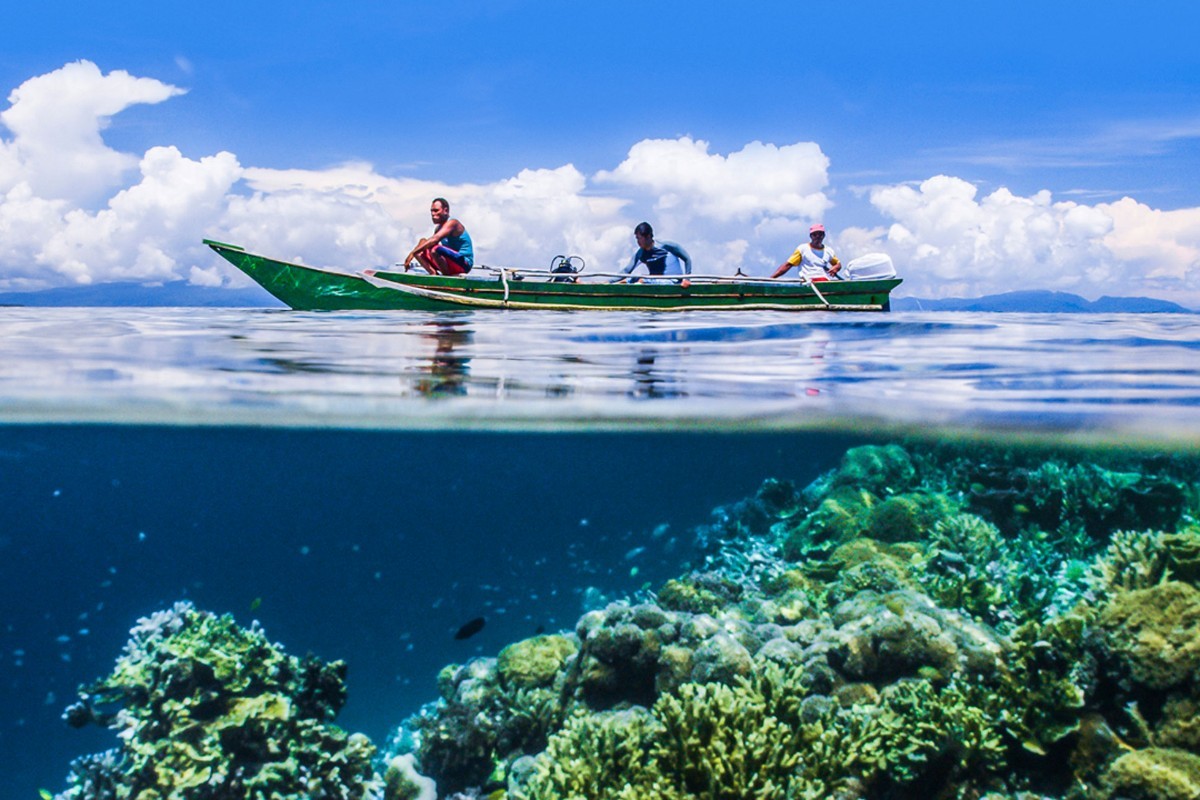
[[986, 147]]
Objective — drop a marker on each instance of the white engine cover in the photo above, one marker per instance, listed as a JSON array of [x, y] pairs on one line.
[[872, 266]]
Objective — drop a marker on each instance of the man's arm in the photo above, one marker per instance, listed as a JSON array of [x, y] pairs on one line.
[[681, 254], [450, 227], [793, 261], [835, 265], [633, 262]]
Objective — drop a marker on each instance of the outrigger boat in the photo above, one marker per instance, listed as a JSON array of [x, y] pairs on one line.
[[307, 288]]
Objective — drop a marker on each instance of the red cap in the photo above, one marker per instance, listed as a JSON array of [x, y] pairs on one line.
[[816, 228]]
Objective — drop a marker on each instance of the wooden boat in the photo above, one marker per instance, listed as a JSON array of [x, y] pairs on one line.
[[307, 288]]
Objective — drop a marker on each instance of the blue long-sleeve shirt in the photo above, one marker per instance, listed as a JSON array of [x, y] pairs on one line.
[[665, 258]]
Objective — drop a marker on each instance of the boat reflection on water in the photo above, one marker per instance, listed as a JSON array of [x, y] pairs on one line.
[[447, 370], [651, 383]]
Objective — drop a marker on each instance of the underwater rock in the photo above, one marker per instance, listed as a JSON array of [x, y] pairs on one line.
[[721, 659], [883, 637], [1153, 774], [1155, 633], [781, 651], [401, 781]]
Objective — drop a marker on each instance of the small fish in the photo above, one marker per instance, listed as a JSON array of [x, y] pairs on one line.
[[540, 630], [470, 628], [1021, 508], [45, 794], [1033, 746], [255, 603]]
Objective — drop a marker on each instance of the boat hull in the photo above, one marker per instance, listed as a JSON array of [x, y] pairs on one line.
[[313, 289]]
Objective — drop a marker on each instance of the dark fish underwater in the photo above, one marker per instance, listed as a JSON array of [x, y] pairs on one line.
[[470, 628]]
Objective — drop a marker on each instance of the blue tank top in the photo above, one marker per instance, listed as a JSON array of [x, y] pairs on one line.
[[462, 246]]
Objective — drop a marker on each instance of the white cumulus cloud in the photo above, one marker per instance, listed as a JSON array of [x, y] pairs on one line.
[[760, 180], [948, 241], [56, 120]]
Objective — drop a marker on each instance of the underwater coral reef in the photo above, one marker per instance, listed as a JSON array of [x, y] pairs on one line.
[[923, 621]]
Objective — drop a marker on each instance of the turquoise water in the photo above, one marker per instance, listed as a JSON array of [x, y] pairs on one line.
[[365, 484]]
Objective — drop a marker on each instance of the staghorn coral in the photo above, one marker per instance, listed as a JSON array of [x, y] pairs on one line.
[[755, 739], [605, 755], [206, 709], [1132, 560]]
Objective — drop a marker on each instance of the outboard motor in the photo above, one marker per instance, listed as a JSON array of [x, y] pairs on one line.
[[566, 267], [872, 266]]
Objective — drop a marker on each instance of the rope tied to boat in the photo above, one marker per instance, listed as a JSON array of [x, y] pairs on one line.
[[504, 280], [817, 292]]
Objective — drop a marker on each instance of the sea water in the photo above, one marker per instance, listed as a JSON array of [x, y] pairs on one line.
[[363, 484]]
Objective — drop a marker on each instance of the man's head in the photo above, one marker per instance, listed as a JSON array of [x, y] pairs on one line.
[[439, 210], [644, 234], [816, 232]]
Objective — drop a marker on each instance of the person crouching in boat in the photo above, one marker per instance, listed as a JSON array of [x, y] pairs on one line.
[[816, 261], [448, 250], [660, 258]]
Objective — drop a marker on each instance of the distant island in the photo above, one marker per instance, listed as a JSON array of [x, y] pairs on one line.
[[183, 294], [163, 295], [1043, 302]]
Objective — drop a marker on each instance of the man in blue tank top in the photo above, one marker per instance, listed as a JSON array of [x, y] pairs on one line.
[[660, 258], [448, 250]]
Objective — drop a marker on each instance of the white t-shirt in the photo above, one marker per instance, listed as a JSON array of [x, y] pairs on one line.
[[813, 263]]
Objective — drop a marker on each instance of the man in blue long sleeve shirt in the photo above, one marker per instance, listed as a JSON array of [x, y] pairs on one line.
[[660, 258]]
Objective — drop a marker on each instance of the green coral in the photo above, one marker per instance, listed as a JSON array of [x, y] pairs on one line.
[[844, 514], [759, 738], [908, 517], [534, 662], [945, 621], [879, 469], [866, 564], [697, 594], [1133, 560], [209, 709], [606, 755]]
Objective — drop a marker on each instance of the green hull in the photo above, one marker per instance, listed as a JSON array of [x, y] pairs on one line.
[[312, 289]]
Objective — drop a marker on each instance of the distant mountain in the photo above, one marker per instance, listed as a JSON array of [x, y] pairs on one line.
[[174, 293], [1043, 302]]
